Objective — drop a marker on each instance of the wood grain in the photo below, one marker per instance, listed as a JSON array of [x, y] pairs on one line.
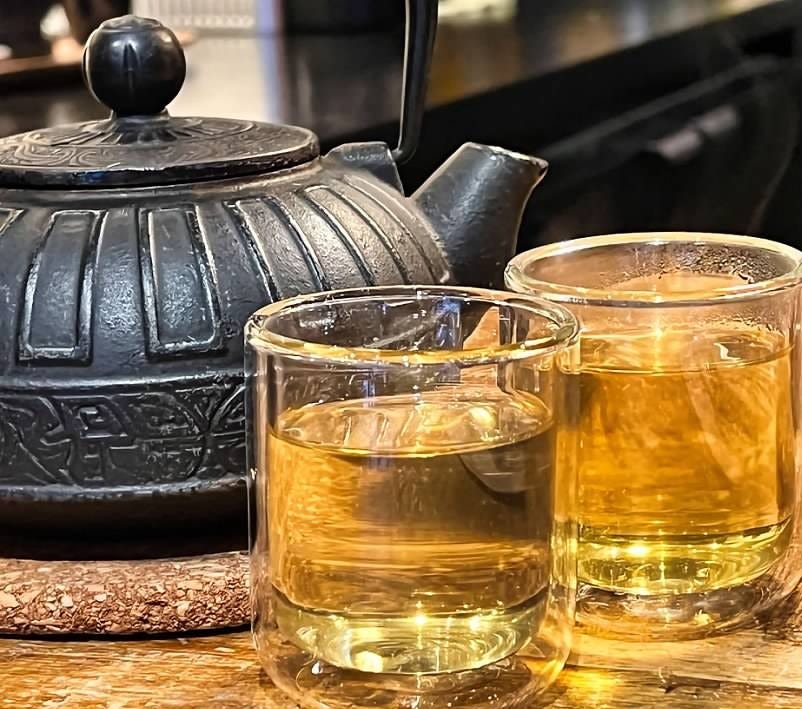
[[619, 689], [221, 672]]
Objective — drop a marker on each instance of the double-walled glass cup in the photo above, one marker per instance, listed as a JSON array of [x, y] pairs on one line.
[[412, 489], [689, 461]]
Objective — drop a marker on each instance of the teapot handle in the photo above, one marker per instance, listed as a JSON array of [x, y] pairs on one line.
[[420, 36]]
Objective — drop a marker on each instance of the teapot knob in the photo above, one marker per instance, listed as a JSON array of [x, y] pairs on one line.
[[133, 65]]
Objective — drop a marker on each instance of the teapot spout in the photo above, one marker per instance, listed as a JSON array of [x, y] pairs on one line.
[[475, 203]]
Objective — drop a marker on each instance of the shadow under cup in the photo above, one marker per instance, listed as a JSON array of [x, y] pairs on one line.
[[689, 421], [413, 530]]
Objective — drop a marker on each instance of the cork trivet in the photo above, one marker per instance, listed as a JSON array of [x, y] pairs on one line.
[[123, 597]]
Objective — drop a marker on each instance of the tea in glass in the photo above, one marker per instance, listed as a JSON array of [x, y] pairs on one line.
[[409, 529], [688, 463], [689, 381]]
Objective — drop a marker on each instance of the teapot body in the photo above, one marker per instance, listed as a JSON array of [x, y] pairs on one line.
[[132, 252], [121, 345]]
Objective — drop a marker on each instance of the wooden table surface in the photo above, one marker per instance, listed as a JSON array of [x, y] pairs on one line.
[[759, 668]]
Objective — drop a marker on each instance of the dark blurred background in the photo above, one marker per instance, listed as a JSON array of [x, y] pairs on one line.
[[654, 114]]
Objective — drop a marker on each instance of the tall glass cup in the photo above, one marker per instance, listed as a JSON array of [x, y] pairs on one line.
[[412, 490], [689, 487]]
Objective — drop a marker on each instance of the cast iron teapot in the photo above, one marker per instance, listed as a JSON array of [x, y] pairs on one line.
[[133, 249]]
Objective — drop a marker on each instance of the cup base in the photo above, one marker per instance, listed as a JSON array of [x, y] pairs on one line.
[[314, 684], [668, 617]]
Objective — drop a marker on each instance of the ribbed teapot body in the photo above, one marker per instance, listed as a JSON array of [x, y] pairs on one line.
[[121, 344]]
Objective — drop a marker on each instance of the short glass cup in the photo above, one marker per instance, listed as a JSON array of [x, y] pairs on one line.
[[689, 486], [412, 495]]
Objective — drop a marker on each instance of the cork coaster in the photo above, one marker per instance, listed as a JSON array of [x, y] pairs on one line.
[[124, 597]]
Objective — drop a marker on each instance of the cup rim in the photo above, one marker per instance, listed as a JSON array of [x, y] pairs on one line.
[[259, 336], [516, 279]]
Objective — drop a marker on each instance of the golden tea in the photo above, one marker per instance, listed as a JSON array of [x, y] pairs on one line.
[[411, 534], [687, 460]]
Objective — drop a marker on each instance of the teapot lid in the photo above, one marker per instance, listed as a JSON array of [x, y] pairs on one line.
[[136, 67]]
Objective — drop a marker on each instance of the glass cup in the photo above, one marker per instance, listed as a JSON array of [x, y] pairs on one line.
[[412, 496], [689, 424]]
